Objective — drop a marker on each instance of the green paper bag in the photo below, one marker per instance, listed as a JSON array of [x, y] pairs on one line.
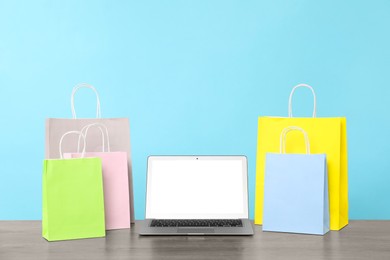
[[73, 202]]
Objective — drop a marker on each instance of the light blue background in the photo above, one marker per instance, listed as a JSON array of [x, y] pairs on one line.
[[193, 76]]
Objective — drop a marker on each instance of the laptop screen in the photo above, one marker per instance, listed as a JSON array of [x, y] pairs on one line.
[[196, 187]]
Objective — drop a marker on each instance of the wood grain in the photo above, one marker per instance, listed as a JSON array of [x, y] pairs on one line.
[[359, 240]]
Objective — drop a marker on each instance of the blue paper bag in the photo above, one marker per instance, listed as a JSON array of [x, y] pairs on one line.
[[296, 190]]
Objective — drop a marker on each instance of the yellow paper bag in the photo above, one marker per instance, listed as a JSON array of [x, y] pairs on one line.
[[328, 136]]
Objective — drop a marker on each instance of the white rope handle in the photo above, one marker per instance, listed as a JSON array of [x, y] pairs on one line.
[[284, 133], [85, 129], [72, 132], [291, 95], [75, 89], [82, 130]]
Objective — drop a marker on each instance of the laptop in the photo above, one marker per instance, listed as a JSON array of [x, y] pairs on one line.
[[197, 195]]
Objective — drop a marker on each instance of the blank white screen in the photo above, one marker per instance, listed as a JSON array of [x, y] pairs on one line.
[[196, 188]]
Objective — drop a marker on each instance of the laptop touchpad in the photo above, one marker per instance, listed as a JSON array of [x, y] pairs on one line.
[[195, 230]]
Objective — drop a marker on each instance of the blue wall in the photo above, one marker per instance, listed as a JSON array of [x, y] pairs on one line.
[[193, 76]]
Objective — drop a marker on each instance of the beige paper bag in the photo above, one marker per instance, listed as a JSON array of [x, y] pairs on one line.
[[119, 129]]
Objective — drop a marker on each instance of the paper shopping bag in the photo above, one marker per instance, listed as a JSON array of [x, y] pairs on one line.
[[328, 136], [119, 136], [296, 191], [115, 185], [72, 198]]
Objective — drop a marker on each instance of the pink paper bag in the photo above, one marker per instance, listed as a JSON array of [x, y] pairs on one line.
[[115, 187], [115, 181]]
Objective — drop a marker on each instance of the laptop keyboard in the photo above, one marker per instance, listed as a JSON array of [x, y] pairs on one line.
[[196, 223]]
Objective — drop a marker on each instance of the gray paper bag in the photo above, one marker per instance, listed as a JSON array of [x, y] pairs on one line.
[[119, 136]]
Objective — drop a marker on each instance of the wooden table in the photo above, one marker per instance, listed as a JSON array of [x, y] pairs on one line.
[[360, 240]]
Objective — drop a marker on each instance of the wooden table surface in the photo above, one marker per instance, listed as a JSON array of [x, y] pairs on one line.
[[359, 240]]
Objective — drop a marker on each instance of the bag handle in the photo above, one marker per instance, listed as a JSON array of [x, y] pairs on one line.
[[99, 125], [284, 133], [72, 132], [292, 93], [75, 89]]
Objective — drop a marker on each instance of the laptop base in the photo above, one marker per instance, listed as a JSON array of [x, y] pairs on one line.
[[147, 230]]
